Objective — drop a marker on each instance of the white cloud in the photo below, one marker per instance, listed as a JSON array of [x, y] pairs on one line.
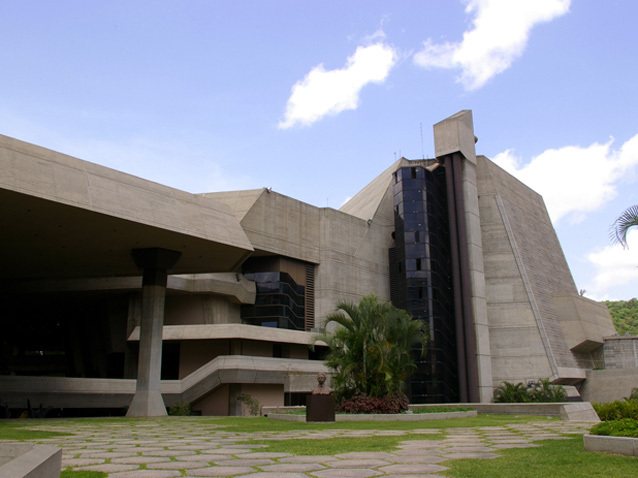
[[615, 267], [329, 92], [574, 180], [499, 35]]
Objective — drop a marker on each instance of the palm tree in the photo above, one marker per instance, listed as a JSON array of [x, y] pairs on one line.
[[621, 226], [371, 348]]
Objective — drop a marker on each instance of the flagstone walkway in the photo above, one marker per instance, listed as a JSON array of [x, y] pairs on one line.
[[199, 448]]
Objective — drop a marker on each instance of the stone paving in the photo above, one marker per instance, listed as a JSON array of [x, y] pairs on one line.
[[195, 448]]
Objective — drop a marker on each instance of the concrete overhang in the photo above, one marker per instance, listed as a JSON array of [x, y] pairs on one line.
[[233, 331], [63, 217]]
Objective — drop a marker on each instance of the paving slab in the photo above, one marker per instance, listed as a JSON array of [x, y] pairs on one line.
[[346, 473], [108, 468], [177, 465], [417, 459], [416, 468], [364, 463], [475, 456], [145, 474], [244, 462], [289, 467], [307, 459], [273, 475], [220, 471], [207, 457]]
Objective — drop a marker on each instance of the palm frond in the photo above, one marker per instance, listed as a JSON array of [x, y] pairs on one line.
[[620, 227]]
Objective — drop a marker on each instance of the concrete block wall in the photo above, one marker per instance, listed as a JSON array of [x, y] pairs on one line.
[[621, 352], [609, 384]]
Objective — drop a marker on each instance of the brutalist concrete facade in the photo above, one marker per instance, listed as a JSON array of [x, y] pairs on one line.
[[116, 289]]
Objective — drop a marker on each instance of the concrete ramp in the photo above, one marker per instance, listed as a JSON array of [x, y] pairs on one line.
[[65, 392]]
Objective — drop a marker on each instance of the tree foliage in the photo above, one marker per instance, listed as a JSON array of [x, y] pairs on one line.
[[371, 347], [624, 315]]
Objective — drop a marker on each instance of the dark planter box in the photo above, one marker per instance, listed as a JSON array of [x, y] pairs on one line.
[[320, 408]]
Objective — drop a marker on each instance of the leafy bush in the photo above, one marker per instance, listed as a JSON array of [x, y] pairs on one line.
[[541, 391], [365, 404], [617, 410], [511, 393], [180, 409], [625, 427], [253, 404]]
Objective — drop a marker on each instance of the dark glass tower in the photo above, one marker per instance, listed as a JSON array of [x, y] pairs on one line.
[[421, 280]]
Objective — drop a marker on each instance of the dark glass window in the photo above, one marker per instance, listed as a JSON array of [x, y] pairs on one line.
[[423, 286], [279, 302]]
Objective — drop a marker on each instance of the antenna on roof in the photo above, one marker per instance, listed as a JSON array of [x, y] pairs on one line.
[[422, 150]]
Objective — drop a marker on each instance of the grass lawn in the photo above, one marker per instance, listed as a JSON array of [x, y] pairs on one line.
[[18, 430], [555, 458], [334, 446], [83, 474]]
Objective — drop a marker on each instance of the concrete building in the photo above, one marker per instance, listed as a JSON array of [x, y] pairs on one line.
[[119, 292]]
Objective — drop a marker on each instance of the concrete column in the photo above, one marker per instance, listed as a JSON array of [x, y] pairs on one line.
[[454, 138], [155, 263]]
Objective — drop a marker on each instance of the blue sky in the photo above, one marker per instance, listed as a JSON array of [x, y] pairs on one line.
[[314, 99]]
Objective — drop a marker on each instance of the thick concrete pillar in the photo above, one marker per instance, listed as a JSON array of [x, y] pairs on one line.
[[155, 263], [454, 144]]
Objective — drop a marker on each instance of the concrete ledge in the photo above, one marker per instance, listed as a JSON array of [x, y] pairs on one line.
[[574, 411], [569, 411], [618, 445], [381, 417], [25, 460]]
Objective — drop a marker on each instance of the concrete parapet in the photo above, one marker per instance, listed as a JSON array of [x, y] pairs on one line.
[[381, 417], [609, 384], [617, 445], [25, 460], [581, 411]]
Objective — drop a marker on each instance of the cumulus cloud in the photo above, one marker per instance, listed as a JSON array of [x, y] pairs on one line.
[[329, 92], [574, 180], [499, 34], [615, 266]]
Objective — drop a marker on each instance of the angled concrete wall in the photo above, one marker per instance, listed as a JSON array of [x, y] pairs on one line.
[[539, 327]]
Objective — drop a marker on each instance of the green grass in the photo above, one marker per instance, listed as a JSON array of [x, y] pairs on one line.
[[18, 430], [333, 446], [555, 458], [82, 474], [262, 424]]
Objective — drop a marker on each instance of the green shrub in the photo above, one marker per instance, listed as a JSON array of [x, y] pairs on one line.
[[180, 409], [365, 404], [539, 392], [617, 410], [253, 405], [544, 391], [625, 427]]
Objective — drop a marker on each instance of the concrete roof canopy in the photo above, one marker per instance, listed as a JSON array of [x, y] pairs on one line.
[[64, 217]]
